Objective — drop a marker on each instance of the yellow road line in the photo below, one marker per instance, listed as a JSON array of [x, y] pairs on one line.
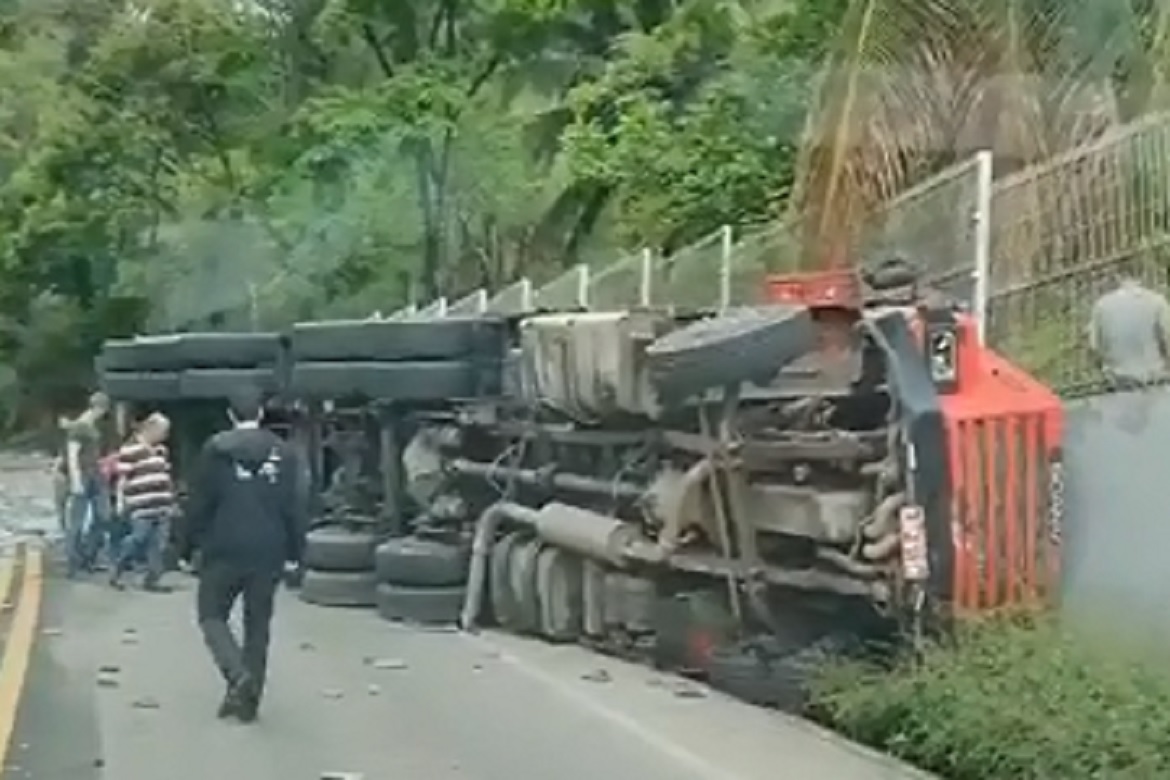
[[19, 646], [7, 569]]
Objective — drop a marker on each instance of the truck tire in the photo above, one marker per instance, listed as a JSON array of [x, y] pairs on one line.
[[140, 386], [744, 345], [409, 560], [174, 352], [157, 353], [428, 606], [217, 383], [339, 588], [522, 584], [406, 381], [500, 586], [559, 585], [229, 350], [593, 598], [453, 338], [340, 549]]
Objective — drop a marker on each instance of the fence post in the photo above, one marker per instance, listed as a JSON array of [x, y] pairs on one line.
[[984, 161], [646, 279], [728, 236], [583, 285], [253, 306], [526, 295]]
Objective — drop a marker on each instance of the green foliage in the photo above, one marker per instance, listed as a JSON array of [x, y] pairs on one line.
[[693, 124], [1014, 699], [236, 165]]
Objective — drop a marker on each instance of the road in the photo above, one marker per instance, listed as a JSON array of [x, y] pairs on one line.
[[96, 683]]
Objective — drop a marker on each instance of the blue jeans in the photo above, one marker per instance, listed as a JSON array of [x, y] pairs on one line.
[[147, 539], [87, 516]]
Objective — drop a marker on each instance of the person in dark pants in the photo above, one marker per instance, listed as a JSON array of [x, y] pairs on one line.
[[244, 520]]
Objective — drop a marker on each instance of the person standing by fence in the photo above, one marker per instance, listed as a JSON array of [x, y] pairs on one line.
[[146, 498], [1129, 333]]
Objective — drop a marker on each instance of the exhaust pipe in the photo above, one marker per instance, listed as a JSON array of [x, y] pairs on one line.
[[481, 549]]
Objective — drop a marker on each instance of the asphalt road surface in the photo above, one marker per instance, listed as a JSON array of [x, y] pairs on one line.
[[102, 684]]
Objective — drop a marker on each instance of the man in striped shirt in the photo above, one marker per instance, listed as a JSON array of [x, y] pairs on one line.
[[146, 498]]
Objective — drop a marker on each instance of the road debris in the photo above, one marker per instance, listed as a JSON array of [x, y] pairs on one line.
[[597, 676], [109, 677], [342, 776], [146, 703], [388, 664], [333, 693], [685, 691]]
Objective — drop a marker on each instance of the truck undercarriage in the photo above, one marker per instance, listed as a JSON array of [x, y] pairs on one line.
[[733, 496]]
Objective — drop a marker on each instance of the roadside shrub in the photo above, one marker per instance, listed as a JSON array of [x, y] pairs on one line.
[[1009, 700]]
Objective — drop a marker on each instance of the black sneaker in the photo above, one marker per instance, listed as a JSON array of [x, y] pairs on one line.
[[248, 708], [229, 707], [240, 701]]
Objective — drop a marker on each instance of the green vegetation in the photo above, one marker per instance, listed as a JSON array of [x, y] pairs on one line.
[[170, 164], [1020, 699], [206, 163], [209, 163]]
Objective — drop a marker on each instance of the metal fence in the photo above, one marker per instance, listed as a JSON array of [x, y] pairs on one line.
[[516, 298], [475, 302], [1060, 230], [941, 225]]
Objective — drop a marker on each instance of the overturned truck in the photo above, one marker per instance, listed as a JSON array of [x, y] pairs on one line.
[[736, 496], [743, 494]]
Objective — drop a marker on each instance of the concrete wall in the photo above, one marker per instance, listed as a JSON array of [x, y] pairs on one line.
[[1117, 511]]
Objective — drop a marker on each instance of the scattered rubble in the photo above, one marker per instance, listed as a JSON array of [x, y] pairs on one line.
[[387, 664], [597, 676]]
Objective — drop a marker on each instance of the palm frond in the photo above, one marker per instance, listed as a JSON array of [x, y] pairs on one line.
[[915, 83]]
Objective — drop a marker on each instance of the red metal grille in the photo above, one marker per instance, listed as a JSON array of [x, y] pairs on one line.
[[1006, 491]]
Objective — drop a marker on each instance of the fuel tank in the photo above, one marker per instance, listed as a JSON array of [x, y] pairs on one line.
[[591, 365]]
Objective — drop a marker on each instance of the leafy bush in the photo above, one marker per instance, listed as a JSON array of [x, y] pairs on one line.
[[1010, 700]]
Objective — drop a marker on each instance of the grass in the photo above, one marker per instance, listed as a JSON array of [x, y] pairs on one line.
[[1010, 699]]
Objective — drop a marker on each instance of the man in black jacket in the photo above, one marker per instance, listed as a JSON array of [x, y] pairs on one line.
[[245, 522]]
